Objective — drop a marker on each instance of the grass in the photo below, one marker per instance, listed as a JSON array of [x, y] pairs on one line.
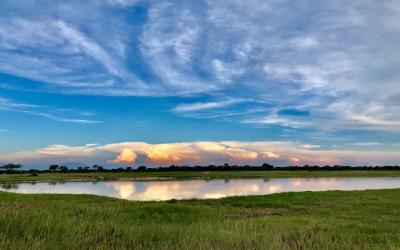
[[13, 178], [309, 220]]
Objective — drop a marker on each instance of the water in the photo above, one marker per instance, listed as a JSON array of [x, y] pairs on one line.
[[201, 189]]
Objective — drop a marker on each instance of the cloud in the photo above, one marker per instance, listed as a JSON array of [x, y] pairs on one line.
[[334, 60], [304, 42], [200, 106], [309, 146], [30, 109], [280, 153], [329, 63], [124, 3], [277, 120], [126, 156], [67, 55], [88, 47], [366, 144]]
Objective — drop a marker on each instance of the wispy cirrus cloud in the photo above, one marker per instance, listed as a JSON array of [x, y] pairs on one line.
[[334, 59], [366, 144], [36, 110], [311, 67], [202, 106]]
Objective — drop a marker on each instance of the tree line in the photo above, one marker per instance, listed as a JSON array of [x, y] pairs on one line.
[[16, 168]]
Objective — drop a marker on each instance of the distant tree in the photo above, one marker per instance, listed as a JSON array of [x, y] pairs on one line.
[[97, 168], [129, 169], [142, 168], [54, 167], [11, 167], [267, 166], [63, 168]]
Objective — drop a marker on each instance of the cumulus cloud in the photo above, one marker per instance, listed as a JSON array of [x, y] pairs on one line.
[[126, 156], [200, 153]]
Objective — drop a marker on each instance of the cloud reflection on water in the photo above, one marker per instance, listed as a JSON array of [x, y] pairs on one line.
[[203, 189]]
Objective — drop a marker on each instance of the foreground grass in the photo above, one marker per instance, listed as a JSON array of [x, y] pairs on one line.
[[309, 220], [92, 176]]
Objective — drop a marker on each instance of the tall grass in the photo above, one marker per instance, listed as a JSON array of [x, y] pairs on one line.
[[320, 220]]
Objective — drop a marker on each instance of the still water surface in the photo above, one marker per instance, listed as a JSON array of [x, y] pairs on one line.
[[201, 189]]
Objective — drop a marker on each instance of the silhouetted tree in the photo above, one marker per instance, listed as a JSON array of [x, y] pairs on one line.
[[267, 166], [63, 168], [11, 167], [53, 167], [97, 168], [142, 168]]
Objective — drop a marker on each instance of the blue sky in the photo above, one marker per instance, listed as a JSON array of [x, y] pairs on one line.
[[307, 82]]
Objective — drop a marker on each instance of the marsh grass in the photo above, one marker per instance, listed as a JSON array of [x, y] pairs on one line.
[[309, 220]]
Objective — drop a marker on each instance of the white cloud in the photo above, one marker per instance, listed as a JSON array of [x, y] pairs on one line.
[[310, 146], [30, 109], [276, 120], [82, 43], [200, 106], [366, 144], [304, 42], [124, 2], [225, 71]]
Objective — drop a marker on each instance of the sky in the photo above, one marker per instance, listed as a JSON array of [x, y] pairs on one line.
[[131, 82]]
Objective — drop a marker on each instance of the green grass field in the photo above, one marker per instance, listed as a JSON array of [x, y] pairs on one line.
[[309, 220], [7, 178]]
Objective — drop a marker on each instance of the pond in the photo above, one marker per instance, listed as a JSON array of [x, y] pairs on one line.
[[201, 189]]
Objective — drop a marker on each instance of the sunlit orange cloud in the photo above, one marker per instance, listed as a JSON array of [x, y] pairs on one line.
[[198, 152], [160, 156], [126, 156], [271, 155], [172, 153]]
